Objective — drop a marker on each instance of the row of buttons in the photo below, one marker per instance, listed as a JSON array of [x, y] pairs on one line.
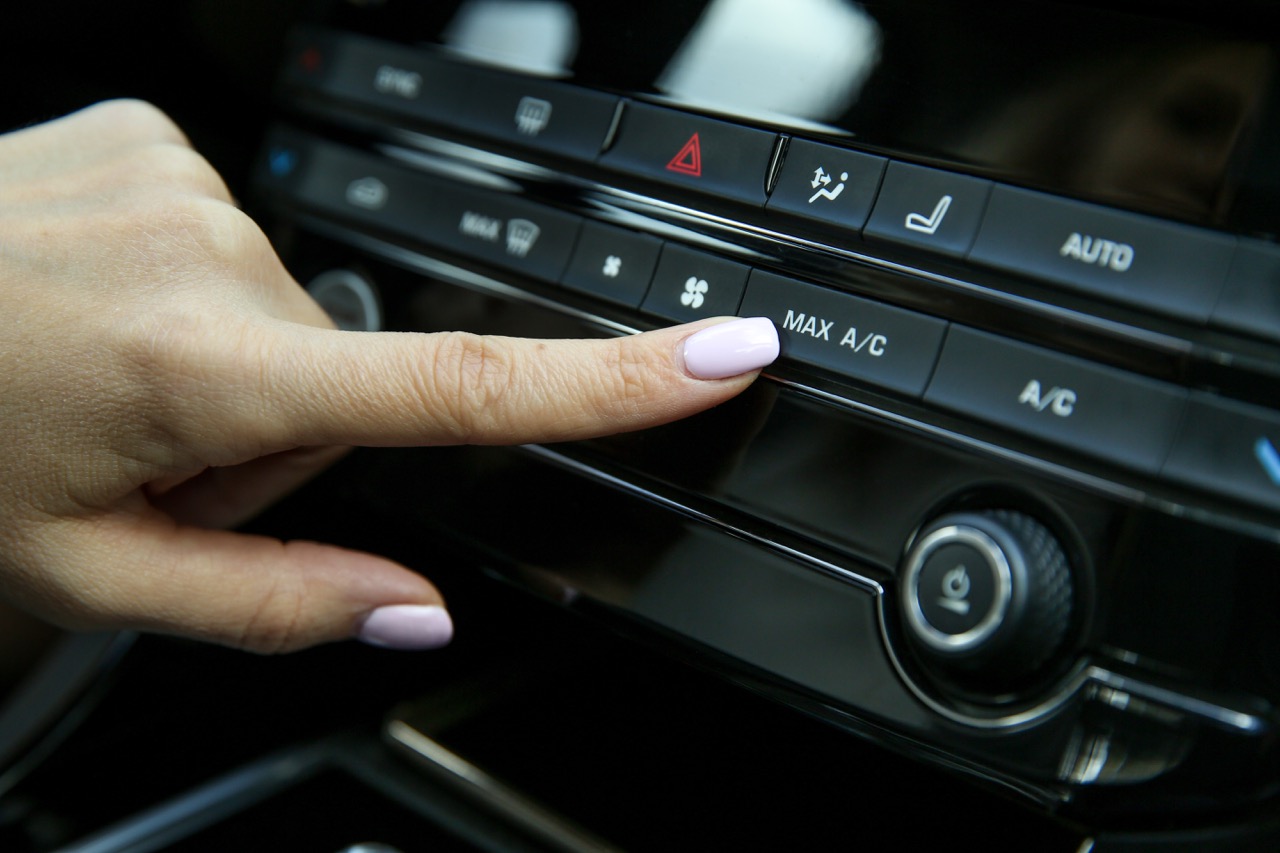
[[1182, 271], [1108, 413]]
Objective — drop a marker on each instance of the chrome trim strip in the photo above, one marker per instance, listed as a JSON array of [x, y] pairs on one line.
[[1003, 597], [1235, 721], [511, 804]]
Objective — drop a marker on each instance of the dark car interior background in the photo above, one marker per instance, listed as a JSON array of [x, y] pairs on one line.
[[991, 556]]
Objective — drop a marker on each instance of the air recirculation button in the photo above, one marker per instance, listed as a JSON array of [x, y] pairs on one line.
[[987, 600]]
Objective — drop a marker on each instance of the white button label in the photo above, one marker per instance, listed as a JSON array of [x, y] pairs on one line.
[[1099, 252], [480, 226], [814, 327], [1060, 401], [871, 342], [397, 81]]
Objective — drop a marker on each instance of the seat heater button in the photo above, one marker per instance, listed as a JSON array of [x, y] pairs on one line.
[[1231, 448], [613, 263], [929, 209], [863, 340], [692, 153], [1250, 300], [1129, 420], [1166, 267], [690, 285], [827, 186]]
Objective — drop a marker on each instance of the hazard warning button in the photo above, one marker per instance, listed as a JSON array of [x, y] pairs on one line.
[[693, 153]]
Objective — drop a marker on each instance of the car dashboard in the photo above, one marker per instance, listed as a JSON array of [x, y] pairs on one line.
[[989, 556]]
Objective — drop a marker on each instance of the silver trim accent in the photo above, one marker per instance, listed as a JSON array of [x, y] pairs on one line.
[[534, 818], [996, 560], [1230, 719]]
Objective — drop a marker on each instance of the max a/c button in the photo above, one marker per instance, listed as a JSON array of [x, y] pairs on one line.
[[863, 340], [1098, 410]]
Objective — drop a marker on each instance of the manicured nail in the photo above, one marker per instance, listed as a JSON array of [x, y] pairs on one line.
[[731, 348], [407, 626]]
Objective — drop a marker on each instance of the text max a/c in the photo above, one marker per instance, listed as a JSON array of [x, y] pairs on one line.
[[819, 329]]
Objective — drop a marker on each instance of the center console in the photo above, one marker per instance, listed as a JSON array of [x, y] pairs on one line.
[[1008, 503]]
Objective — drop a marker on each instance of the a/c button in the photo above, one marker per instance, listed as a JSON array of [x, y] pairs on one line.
[[863, 340], [1099, 410]]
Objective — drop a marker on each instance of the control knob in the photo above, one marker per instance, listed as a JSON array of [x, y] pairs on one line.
[[987, 598]]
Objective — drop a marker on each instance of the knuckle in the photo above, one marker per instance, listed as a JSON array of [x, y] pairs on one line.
[[468, 377], [136, 119], [276, 625], [635, 373]]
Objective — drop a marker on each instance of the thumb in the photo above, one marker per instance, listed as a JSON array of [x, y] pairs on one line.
[[252, 592]]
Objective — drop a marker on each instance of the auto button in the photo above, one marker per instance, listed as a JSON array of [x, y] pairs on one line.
[[1166, 267]]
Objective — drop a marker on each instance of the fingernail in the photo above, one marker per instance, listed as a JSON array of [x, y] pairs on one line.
[[407, 626], [731, 348]]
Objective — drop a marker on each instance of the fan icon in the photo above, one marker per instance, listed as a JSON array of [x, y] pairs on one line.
[[694, 288]]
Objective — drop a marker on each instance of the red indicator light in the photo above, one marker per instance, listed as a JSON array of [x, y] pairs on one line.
[[688, 160]]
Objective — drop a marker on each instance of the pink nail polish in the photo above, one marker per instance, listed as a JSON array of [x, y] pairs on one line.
[[407, 626], [729, 349]]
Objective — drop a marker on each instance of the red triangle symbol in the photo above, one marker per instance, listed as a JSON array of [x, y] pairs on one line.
[[688, 160]]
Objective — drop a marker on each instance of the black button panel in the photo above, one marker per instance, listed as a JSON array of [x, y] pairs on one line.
[[1187, 273], [1230, 448], [1161, 266], [1250, 300], [554, 117], [827, 186], [1097, 410], [929, 209], [690, 285], [693, 153], [864, 340], [506, 231], [613, 263], [379, 74]]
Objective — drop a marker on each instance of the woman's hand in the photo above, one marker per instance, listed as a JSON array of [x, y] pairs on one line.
[[162, 376]]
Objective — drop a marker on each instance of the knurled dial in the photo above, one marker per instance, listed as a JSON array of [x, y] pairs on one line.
[[986, 596]]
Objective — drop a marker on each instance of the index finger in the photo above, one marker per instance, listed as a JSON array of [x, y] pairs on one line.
[[384, 389]]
